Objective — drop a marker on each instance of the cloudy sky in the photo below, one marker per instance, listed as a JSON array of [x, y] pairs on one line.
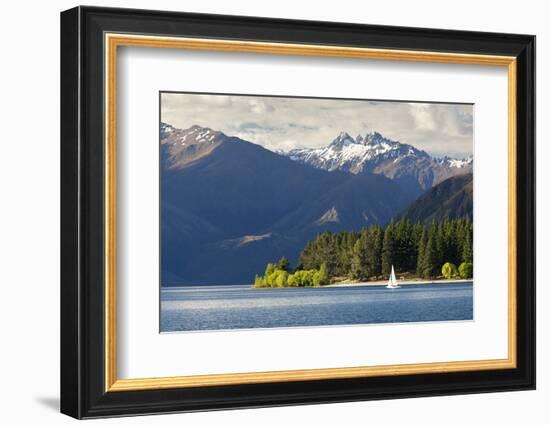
[[286, 123]]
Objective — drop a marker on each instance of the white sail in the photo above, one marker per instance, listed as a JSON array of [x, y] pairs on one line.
[[392, 282]]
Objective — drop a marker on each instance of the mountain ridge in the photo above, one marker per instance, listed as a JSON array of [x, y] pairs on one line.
[[452, 198], [414, 169], [229, 206]]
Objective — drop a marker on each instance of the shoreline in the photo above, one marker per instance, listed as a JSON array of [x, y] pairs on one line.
[[344, 284], [400, 283], [377, 283]]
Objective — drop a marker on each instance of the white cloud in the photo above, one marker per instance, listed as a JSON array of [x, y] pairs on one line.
[[284, 123], [423, 115], [259, 106]]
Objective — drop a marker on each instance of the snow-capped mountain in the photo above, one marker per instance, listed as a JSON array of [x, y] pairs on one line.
[[230, 206], [455, 162], [413, 168], [361, 154], [184, 146]]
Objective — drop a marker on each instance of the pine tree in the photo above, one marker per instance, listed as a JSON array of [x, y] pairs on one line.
[[405, 246], [399, 245], [388, 250], [439, 244], [307, 256], [377, 252], [417, 230], [420, 262], [430, 263], [283, 264], [360, 258], [327, 250], [467, 247], [372, 251], [372, 254], [345, 253]]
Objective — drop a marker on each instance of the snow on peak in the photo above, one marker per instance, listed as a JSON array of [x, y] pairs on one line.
[[165, 129], [356, 154], [374, 137], [343, 139], [365, 147], [456, 162], [192, 135], [371, 137]]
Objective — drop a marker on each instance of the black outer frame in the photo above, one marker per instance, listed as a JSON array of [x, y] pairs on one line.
[[82, 219]]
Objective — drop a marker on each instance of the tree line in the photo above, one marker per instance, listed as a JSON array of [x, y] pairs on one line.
[[416, 248], [424, 250], [278, 275]]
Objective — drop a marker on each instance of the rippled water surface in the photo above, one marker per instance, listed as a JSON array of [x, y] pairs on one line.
[[242, 307]]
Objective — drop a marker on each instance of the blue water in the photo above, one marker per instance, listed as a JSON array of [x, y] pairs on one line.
[[242, 307]]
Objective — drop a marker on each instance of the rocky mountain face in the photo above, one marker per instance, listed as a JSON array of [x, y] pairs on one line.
[[229, 206], [183, 147], [413, 169], [452, 198]]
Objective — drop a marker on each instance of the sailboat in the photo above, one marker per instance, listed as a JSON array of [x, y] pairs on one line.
[[392, 283]]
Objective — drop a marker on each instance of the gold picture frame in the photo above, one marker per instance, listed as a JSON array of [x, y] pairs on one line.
[[114, 41]]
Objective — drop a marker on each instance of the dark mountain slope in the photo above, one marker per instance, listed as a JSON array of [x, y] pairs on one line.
[[452, 198], [230, 206]]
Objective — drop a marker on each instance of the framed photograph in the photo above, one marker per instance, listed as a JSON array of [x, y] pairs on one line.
[[261, 212]]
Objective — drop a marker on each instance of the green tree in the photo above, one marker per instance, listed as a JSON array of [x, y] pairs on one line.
[[449, 270], [307, 256], [420, 262], [270, 279], [283, 264], [466, 270], [259, 282], [269, 269], [344, 254], [295, 278], [387, 250], [404, 246], [292, 281], [306, 278], [281, 277], [359, 260], [467, 247], [327, 253], [375, 256], [323, 249], [430, 263], [321, 276], [372, 251], [439, 243]]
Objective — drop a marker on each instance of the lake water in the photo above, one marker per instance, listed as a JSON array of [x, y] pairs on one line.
[[242, 307]]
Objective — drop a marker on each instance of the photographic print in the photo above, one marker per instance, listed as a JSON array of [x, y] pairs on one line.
[[284, 212], [299, 197]]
